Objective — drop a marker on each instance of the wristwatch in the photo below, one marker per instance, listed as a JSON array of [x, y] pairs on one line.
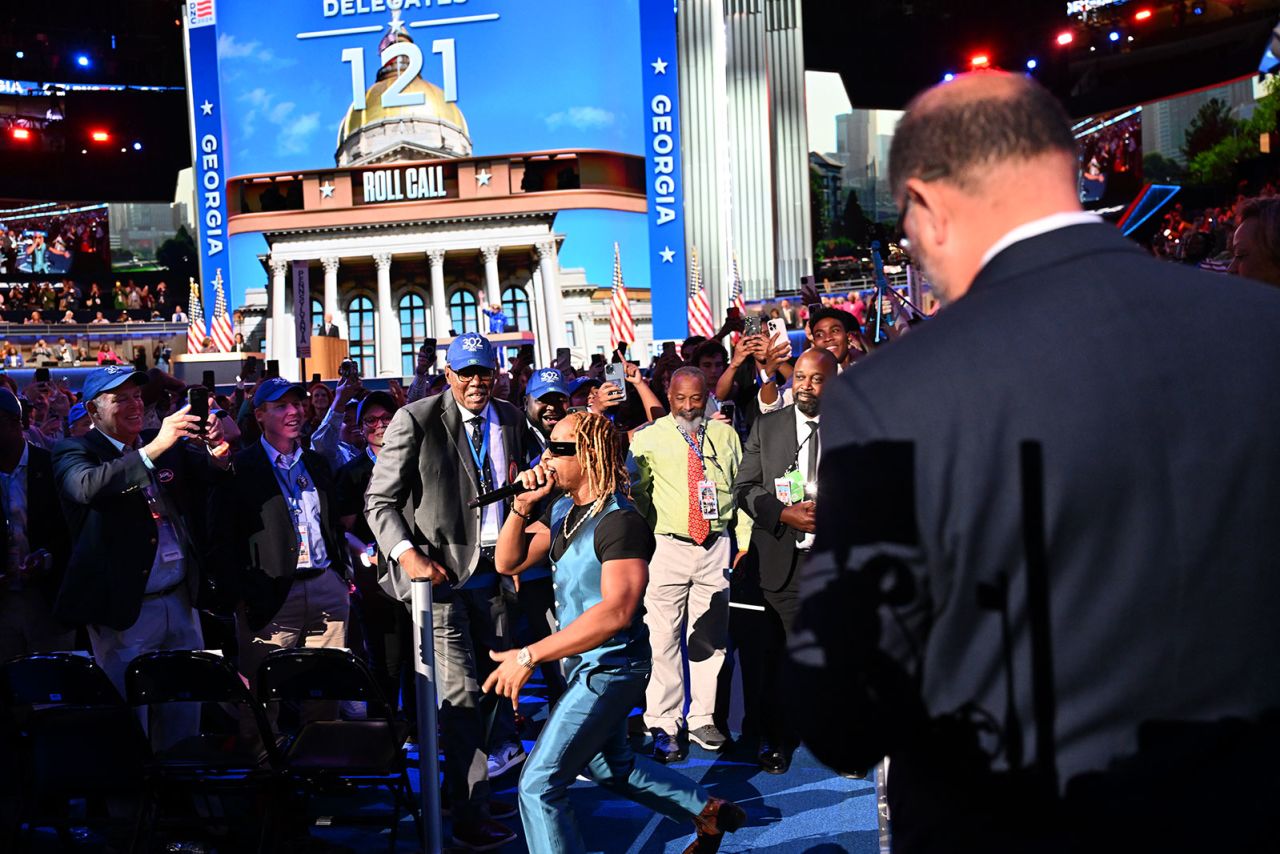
[[524, 658]]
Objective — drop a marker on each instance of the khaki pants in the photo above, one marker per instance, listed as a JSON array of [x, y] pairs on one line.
[[687, 599], [314, 615], [165, 622]]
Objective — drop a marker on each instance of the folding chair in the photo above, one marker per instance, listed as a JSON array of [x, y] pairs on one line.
[[76, 739], [336, 756], [213, 763]]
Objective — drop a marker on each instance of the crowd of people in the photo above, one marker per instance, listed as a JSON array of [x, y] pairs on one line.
[[56, 243], [69, 302], [1204, 236], [1032, 573], [300, 515]]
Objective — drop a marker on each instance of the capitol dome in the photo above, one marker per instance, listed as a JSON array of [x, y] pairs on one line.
[[377, 134]]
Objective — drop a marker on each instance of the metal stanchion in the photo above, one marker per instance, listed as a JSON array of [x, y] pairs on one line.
[[424, 678]]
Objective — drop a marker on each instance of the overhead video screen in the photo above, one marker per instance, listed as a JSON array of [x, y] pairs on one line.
[[1110, 148], [54, 238]]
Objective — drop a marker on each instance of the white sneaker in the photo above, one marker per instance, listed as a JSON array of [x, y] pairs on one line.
[[505, 758]]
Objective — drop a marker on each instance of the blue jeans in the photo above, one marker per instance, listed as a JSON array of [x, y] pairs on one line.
[[588, 730]]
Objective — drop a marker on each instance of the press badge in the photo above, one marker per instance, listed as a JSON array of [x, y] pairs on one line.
[[304, 547], [789, 489], [708, 499]]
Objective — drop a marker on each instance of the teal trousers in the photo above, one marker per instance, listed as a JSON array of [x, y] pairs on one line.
[[587, 731]]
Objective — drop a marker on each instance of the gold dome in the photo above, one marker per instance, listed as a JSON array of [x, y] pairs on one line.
[[434, 106]]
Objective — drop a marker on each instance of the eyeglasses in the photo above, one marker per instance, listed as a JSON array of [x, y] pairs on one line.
[[562, 449], [482, 377], [376, 419]]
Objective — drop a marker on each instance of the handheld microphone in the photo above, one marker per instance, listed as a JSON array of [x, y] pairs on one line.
[[509, 491]]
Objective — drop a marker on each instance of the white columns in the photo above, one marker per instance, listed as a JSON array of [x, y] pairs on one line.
[[549, 266], [540, 318], [331, 307], [751, 214], [492, 287], [280, 343], [706, 139], [439, 303], [388, 325], [794, 248]]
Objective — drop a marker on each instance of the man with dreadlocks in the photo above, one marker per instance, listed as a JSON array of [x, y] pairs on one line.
[[599, 547]]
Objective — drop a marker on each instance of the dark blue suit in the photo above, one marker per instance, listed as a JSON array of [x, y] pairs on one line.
[[1150, 392]]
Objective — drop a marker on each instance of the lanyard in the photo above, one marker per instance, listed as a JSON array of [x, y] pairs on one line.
[[795, 461], [483, 453], [292, 487], [697, 447]]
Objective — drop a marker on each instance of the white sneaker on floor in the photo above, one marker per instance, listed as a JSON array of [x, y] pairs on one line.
[[505, 758]]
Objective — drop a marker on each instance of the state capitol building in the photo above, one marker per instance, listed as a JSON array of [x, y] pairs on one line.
[[410, 236]]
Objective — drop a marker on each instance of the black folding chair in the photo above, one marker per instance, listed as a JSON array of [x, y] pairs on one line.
[[340, 757], [214, 763], [76, 739]]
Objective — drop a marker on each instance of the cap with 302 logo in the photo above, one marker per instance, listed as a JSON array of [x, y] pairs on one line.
[[471, 349], [546, 381]]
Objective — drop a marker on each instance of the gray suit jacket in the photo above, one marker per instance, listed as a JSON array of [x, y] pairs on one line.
[[423, 480]]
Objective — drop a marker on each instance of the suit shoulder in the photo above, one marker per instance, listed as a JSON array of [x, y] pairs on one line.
[[771, 420]]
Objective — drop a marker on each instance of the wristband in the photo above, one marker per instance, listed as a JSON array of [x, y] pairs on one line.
[[524, 516]]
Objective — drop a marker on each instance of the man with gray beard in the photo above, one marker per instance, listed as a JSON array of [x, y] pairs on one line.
[[684, 468]]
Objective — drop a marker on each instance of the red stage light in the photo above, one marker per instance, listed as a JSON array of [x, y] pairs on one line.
[[100, 136], [1065, 38], [1143, 15], [979, 60], [21, 134]]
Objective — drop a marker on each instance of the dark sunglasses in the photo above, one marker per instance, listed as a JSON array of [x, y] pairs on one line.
[[562, 449]]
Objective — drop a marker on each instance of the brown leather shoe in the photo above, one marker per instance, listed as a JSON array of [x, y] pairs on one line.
[[717, 818], [483, 835]]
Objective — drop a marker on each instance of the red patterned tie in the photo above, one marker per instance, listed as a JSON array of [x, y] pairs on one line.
[[699, 528]]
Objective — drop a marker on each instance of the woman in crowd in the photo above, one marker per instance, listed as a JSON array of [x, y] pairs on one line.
[[107, 356]]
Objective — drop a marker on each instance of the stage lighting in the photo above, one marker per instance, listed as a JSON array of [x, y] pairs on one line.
[[948, 77], [20, 134], [82, 61], [137, 146], [1031, 64], [100, 136], [20, 54], [979, 60], [1065, 38], [1143, 15], [1114, 36]]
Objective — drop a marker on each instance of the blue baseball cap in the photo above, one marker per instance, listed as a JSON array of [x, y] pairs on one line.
[[269, 391], [582, 382], [546, 381], [77, 412], [111, 377], [469, 350]]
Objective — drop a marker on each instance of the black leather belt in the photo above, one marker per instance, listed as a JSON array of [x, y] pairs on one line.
[[706, 544], [164, 592], [308, 574]]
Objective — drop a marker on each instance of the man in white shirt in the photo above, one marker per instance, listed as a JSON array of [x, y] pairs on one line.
[[438, 454], [776, 487]]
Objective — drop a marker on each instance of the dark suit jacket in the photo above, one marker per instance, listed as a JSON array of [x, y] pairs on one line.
[[769, 453], [423, 448], [115, 537], [46, 527], [1162, 512], [259, 553]]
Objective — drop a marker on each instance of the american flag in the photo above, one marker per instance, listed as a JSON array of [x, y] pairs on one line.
[[735, 296], [195, 321], [700, 320], [220, 324], [621, 325], [203, 8]]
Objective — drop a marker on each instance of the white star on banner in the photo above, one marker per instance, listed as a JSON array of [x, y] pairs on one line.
[[326, 190], [482, 178], [659, 67], [206, 108], [668, 255]]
